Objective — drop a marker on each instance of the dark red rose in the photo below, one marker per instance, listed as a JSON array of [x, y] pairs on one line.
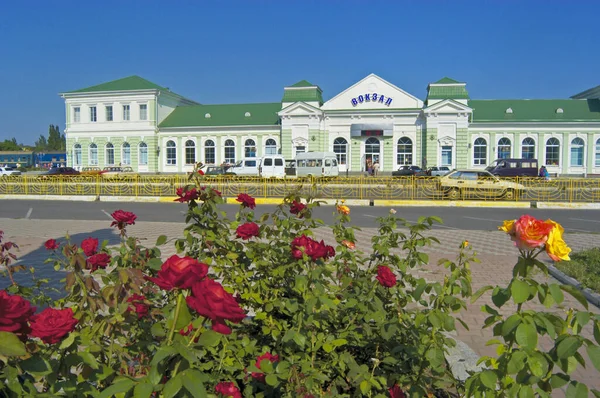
[[228, 389], [100, 260], [266, 356], [186, 330], [15, 311], [179, 272], [246, 200], [315, 250], [123, 218], [247, 230], [385, 276], [209, 299], [297, 208], [218, 193], [200, 172], [186, 196], [51, 244], [89, 246], [139, 307], [396, 392], [52, 325]]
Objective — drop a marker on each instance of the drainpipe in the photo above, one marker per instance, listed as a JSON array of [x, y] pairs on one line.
[[157, 136]]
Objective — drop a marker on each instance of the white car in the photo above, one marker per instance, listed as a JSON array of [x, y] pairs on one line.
[[9, 171], [438, 171], [477, 184]]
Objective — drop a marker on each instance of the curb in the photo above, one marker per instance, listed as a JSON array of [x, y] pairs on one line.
[[451, 203], [591, 296], [562, 205]]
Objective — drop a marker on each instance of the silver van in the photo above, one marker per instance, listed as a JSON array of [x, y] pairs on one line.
[[272, 166], [317, 164]]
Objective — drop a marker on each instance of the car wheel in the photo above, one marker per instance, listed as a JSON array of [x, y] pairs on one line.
[[509, 194], [454, 194]]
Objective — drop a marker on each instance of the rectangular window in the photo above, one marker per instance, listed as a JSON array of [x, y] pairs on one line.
[[190, 155], [597, 153], [143, 112], [93, 156], [209, 155], [93, 114], [109, 113], [125, 112], [76, 114], [446, 156], [143, 155]]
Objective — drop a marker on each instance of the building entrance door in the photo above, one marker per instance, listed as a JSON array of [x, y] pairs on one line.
[[372, 153]]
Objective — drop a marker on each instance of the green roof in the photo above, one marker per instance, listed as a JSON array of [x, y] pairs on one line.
[[306, 95], [446, 80], [587, 94], [445, 92], [535, 110], [126, 84], [303, 83], [264, 114]]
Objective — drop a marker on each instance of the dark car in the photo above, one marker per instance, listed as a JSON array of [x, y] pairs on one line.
[[62, 171], [407, 171]]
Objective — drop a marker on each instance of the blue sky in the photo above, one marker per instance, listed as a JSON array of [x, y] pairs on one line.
[[247, 51]]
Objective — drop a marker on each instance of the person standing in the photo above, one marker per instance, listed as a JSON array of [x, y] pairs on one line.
[[376, 168]]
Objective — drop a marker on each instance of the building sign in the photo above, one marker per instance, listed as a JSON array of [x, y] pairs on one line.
[[371, 133], [372, 130], [372, 98]]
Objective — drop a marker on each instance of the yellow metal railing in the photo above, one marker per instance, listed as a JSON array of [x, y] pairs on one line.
[[359, 187]]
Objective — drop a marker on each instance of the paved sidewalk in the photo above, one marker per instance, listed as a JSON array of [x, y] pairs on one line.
[[494, 249]]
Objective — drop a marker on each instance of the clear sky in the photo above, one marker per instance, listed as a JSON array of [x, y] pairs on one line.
[[247, 51]]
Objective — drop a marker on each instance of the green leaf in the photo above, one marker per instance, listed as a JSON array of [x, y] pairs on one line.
[[558, 380], [364, 387], [489, 379], [36, 366], [526, 335], [209, 338], [143, 390], [66, 343], [597, 331], [272, 380], [556, 293], [573, 291], [526, 392], [121, 386], [193, 382], [161, 240], [577, 390], [510, 324], [538, 364], [158, 330], [11, 346], [520, 291], [500, 296], [173, 386], [567, 347], [593, 352], [516, 362], [480, 292]]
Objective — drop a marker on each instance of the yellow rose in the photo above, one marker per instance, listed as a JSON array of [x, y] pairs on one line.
[[556, 247], [343, 210], [508, 226]]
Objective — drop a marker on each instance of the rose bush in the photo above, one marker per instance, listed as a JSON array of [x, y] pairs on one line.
[[281, 315]]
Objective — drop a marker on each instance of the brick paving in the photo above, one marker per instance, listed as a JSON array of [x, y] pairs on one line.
[[494, 249]]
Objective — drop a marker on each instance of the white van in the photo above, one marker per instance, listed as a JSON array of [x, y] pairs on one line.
[[317, 164], [272, 166], [245, 167]]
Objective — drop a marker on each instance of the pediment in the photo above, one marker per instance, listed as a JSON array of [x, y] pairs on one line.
[[447, 140], [448, 106], [370, 93], [299, 108]]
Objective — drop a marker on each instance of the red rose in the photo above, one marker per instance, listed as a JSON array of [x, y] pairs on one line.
[[297, 208], [100, 260], [209, 299], [228, 389], [385, 276], [51, 244], [139, 307], [187, 330], [123, 218], [52, 325], [186, 196], [15, 311], [396, 392], [266, 356], [89, 246], [179, 272], [247, 230], [218, 193], [246, 200], [315, 250], [200, 172]]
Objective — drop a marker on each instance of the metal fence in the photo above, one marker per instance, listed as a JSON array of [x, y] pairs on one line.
[[359, 187]]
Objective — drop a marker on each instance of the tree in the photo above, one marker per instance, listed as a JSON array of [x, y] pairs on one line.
[[41, 144], [56, 141], [10, 145]]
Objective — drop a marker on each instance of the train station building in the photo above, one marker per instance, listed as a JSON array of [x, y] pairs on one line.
[[132, 121]]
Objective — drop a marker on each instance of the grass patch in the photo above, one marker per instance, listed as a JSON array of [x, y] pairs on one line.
[[585, 267]]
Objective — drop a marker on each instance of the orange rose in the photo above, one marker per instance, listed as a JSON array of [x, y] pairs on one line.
[[527, 232], [556, 247], [345, 210], [348, 244]]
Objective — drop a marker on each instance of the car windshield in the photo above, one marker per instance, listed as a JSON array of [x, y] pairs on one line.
[[492, 165]]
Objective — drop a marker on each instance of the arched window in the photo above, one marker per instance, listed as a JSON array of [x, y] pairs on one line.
[[249, 149], [143, 154], [528, 148], [171, 153], [110, 154], [229, 152], [77, 155], [480, 151], [552, 151], [340, 147], [504, 148], [405, 149], [271, 147], [597, 162], [93, 155], [577, 146], [190, 152], [126, 156], [209, 152]]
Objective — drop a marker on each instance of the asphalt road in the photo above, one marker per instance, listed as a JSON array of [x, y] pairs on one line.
[[483, 219]]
